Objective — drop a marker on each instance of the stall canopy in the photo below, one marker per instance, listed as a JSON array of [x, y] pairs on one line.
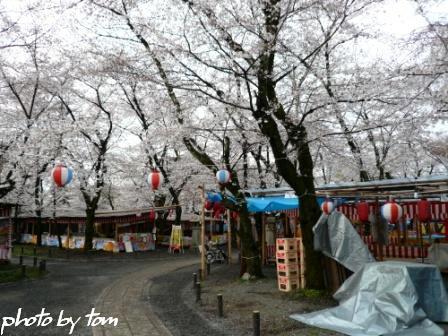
[[269, 204]]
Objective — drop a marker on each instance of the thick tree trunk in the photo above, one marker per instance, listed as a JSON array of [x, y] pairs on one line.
[[251, 260], [90, 230], [38, 228], [178, 215], [309, 213]]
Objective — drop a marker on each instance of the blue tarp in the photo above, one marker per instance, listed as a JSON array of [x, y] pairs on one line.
[[271, 204]]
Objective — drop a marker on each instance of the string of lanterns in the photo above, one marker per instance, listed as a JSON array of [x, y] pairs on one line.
[[390, 211]]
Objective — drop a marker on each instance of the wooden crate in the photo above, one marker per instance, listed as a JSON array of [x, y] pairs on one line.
[[289, 272], [301, 256], [287, 244], [286, 257], [287, 284]]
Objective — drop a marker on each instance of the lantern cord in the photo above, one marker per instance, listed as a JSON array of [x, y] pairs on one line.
[[173, 206]]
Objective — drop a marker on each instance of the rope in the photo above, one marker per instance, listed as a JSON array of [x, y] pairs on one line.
[[250, 257]]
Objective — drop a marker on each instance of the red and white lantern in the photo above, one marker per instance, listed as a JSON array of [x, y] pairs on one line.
[[391, 212], [363, 211], [155, 179], [223, 176], [62, 175], [327, 206], [424, 210]]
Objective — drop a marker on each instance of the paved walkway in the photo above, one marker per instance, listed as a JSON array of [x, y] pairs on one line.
[[114, 286], [125, 299]]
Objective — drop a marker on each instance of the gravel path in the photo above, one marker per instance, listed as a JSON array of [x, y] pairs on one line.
[[165, 297]]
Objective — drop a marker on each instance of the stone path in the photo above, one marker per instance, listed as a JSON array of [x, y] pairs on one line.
[[126, 299]]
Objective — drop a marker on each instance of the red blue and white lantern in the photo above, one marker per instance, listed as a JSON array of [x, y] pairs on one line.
[[392, 212], [62, 175], [223, 176], [327, 206], [155, 179]]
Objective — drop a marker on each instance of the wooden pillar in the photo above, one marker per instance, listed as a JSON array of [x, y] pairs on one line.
[[378, 222], [420, 237], [263, 239], [116, 232], [229, 238], [399, 232], [296, 224], [238, 240], [203, 270], [68, 235]]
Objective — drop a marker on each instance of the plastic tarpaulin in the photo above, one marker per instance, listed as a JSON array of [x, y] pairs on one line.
[[386, 298], [270, 204], [438, 253], [336, 237]]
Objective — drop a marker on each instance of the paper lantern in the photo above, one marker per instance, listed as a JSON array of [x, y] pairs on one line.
[[155, 179], [223, 176], [327, 206], [208, 205], [218, 210], [391, 212], [62, 175], [152, 215], [363, 211], [424, 210]]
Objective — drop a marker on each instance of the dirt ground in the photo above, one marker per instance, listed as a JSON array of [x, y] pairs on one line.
[[241, 298]]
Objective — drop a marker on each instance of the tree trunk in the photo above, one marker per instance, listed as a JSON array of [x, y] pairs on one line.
[[309, 214], [38, 228], [178, 215], [90, 222], [250, 252], [38, 211]]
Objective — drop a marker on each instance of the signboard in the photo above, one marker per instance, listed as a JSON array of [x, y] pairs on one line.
[[5, 238]]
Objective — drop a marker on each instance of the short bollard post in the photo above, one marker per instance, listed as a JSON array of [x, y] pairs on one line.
[[21, 250], [35, 261], [195, 279], [23, 271], [256, 318], [198, 291], [34, 251], [42, 266], [49, 253], [21, 260], [220, 306], [208, 268]]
